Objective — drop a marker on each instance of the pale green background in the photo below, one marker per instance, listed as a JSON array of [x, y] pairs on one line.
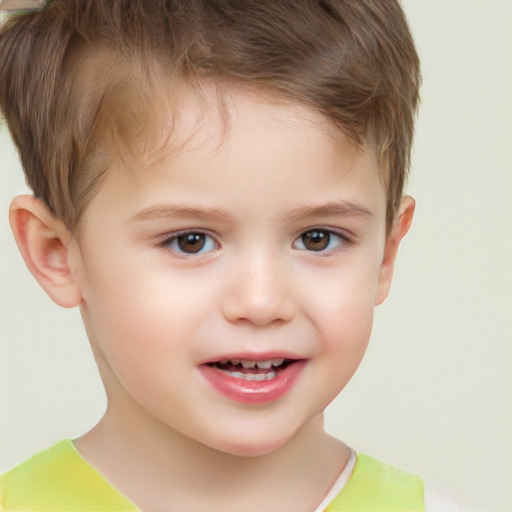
[[434, 393]]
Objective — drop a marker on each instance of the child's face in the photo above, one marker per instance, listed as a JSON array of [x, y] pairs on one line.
[[262, 244]]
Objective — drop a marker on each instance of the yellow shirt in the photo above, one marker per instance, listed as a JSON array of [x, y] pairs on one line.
[[60, 479]]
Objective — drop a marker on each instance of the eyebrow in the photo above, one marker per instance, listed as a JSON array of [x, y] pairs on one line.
[[166, 210], [331, 209]]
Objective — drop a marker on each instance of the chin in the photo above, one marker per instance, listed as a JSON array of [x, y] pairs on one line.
[[251, 449], [253, 444]]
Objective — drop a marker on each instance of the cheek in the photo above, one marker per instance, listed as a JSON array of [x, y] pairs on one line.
[[143, 318], [344, 324], [345, 332], [345, 304], [128, 321], [345, 335]]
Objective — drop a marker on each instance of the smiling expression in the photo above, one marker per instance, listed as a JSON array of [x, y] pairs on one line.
[[228, 288]]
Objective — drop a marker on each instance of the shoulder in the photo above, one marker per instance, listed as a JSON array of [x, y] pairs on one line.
[[58, 478], [35, 474], [376, 485]]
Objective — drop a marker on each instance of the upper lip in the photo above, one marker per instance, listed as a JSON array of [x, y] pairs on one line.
[[252, 356]]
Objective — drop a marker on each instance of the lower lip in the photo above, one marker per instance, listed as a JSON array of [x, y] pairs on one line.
[[251, 391]]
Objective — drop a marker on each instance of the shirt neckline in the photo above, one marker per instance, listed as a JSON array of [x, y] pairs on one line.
[[335, 489], [339, 484]]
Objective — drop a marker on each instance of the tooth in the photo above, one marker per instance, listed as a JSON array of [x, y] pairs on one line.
[[248, 364], [235, 361], [253, 376], [264, 365], [277, 362], [224, 361]]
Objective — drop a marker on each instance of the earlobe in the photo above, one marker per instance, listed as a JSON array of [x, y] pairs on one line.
[[44, 241], [399, 230]]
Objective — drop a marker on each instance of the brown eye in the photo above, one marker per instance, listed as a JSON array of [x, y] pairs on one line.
[[316, 240], [320, 240], [191, 243]]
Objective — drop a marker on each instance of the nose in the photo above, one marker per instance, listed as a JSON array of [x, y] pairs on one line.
[[259, 292]]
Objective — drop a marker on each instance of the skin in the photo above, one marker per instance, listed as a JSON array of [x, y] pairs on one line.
[[15, 5], [155, 314]]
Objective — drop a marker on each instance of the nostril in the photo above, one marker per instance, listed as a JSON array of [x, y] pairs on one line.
[[259, 312], [257, 294]]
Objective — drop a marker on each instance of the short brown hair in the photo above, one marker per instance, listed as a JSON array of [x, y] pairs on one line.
[[79, 70]]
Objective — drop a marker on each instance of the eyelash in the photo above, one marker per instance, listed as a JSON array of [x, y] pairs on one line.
[[169, 241], [343, 240]]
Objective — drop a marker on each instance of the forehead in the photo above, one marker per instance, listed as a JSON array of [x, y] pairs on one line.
[[247, 153], [209, 118]]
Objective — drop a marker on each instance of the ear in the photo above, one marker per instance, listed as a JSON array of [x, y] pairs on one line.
[[44, 241], [398, 231]]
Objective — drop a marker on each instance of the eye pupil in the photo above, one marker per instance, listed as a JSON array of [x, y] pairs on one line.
[[316, 240], [191, 242]]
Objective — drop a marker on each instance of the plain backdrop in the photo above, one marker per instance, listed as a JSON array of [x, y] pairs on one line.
[[434, 392]]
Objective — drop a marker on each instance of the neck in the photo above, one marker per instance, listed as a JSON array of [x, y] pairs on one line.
[[158, 468]]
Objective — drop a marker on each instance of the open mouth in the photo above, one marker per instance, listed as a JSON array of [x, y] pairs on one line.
[[252, 370], [252, 381]]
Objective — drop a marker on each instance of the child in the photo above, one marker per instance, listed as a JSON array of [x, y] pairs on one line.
[[219, 188]]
